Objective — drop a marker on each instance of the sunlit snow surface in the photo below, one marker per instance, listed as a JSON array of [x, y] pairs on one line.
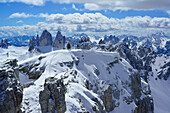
[[19, 53], [12, 52], [159, 88], [89, 61]]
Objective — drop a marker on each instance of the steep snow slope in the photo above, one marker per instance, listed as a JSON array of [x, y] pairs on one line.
[[160, 87], [161, 95], [95, 81]]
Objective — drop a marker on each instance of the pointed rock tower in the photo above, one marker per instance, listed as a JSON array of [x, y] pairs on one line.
[[45, 39], [59, 41]]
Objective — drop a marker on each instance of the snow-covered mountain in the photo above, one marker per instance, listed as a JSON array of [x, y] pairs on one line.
[[158, 42], [19, 40], [76, 37], [85, 81], [153, 68], [122, 74]]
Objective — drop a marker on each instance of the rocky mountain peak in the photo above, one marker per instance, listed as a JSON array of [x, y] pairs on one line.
[[84, 43], [159, 34], [112, 38], [59, 41], [4, 43], [45, 39], [58, 34]]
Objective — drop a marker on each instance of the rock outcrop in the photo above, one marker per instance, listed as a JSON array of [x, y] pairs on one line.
[[112, 39], [34, 41], [52, 98], [10, 88], [59, 41], [84, 43], [31, 70], [32, 49], [101, 41], [44, 43], [140, 58], [45, 39], [145, 105], [4, 43]]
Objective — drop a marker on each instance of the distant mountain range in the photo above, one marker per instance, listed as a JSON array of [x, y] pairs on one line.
[[119, 74], [18, 40], [158, 42]]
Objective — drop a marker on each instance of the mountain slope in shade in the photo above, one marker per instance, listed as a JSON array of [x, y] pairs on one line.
[[160, 83]]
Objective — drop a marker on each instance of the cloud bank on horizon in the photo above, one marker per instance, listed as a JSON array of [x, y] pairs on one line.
[[106, 4], [141, 17]]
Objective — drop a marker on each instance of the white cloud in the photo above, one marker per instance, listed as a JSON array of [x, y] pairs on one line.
[[74, 7], [20, 15], [43, 15], [33, 2], [20, 21], [91, 6], [107, 4], [99, 19], [100, 30], [77, 18], [23, 15], [94, 23]]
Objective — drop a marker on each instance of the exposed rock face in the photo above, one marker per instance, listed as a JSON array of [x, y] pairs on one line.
[[141, 58], [84, 43], [108, 99], [31, 70], [101, 41], [145, 106], [52, 98], [32, 49], [162, 69], [112, 39], [136, 85], [130, 42], [111, 95], [59, 41], [130, 56], [45, 39], [10, 88], [34, 41], [165, 73], [4, 43]]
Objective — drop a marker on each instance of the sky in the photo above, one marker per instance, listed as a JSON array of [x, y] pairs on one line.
[[96, 17]]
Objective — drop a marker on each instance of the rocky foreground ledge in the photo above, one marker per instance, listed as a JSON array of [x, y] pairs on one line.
[[11, 92]]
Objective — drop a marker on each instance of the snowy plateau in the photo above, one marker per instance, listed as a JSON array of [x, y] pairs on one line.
[[102, 78]]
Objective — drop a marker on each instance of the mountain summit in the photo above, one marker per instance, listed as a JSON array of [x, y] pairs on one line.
[[45, 39]]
